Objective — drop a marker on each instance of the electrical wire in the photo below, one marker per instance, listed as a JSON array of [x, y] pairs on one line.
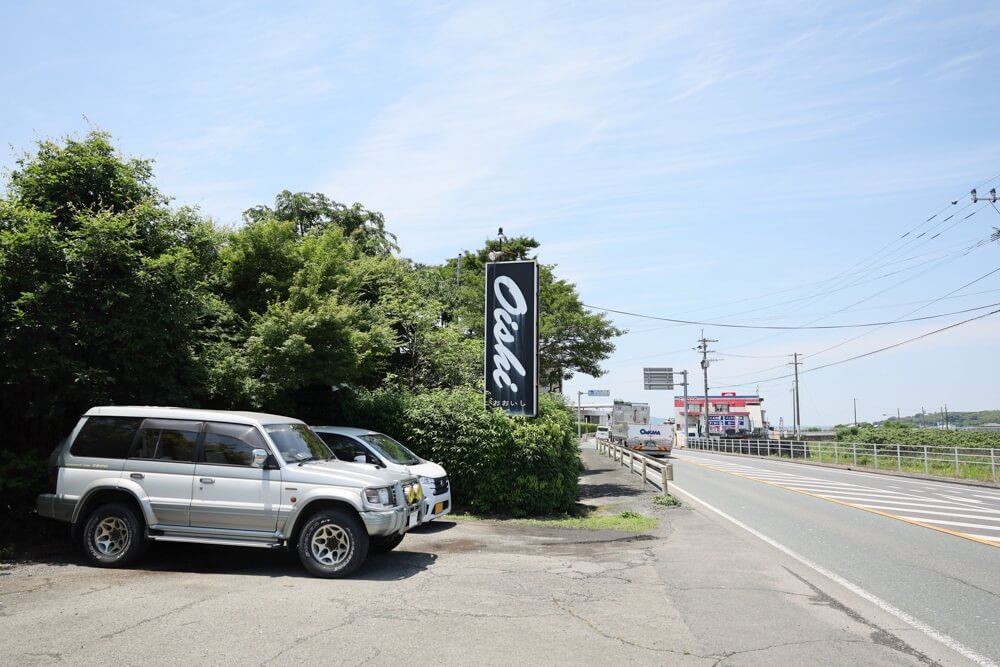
[[873, 352], [795, 328], [958, 289]]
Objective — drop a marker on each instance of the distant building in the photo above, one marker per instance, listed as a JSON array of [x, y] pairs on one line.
[[728, 408], [594, 413]]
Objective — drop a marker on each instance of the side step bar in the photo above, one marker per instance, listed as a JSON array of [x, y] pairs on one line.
[[159, 535]]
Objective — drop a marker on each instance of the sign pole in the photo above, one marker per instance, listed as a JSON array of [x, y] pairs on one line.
[[579, 412], [685, 374]]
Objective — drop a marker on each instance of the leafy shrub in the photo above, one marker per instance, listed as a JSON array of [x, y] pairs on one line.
[[22, 478], [901, 434], [496, 464]]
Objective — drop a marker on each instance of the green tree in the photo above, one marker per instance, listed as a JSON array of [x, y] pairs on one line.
[[308, 211], [572, 339], [101, 288]]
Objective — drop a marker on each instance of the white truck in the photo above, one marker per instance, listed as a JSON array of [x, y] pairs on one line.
[[630, 428]]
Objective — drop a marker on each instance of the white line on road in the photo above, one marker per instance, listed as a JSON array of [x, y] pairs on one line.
[[951, 643]]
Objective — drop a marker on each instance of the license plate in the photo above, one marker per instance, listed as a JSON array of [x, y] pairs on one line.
[[414, 517]]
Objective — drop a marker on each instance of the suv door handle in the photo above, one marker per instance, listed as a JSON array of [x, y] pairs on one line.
[[207, 480], [137, 475]]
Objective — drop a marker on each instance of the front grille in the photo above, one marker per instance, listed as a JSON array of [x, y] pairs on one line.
[[441, 485], [393, 500]]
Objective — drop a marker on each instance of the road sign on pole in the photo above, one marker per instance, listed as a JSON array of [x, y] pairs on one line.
[[598, 392], [658, 378]]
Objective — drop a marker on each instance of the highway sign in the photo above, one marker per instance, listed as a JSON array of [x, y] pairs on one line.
[[658, 378], [598, 392]]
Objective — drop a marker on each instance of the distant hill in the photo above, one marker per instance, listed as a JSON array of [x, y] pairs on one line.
[[954, 419]]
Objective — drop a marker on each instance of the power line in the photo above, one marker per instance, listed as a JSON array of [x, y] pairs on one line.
[[872, 352], [796, 328], [958, 289]]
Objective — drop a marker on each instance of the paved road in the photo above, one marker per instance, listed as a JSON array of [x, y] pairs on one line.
[[931, 549], [694, 591]]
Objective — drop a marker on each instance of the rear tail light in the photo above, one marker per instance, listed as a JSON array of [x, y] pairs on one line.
[[53, 478]]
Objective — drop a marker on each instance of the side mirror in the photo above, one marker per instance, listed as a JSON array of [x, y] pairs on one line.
[[258, 457], [361, 458]]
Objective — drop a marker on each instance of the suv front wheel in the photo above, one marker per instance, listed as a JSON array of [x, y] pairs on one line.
[[332, 544], [112, 536]]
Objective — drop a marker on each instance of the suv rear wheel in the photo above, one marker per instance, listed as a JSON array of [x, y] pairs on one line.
[[332, 544], [112, 536]]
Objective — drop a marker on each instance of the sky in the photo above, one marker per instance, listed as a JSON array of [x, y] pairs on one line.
[[729, 164]]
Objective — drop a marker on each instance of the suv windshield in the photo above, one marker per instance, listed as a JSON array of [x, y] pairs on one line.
[[391, 449], [297, 443]]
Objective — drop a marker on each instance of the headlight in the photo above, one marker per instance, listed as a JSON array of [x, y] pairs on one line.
[[428, 481], [376, 496]]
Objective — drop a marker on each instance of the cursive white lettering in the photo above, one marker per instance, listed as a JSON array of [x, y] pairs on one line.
[[511, 302]]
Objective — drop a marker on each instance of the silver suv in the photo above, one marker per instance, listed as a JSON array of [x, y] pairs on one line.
[[130, 475]]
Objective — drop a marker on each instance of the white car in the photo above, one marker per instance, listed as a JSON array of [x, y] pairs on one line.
[[365, 446], [603, 433]]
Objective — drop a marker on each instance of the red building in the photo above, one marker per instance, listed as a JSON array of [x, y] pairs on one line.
[[728, 413]]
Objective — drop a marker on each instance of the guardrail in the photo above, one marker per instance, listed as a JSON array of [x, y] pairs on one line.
[[651, 470], [970, 463]]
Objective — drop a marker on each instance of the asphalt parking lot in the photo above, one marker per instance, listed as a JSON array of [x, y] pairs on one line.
[[462, 592]]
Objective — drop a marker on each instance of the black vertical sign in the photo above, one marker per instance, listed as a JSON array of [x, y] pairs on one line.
[[512, 337]]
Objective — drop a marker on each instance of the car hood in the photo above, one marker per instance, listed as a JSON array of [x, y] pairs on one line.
[[342, 473], [426, 469]]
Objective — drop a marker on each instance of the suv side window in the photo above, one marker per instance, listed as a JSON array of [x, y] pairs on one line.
[[346, 448], [231, 444], [106, 437], [167, 440]]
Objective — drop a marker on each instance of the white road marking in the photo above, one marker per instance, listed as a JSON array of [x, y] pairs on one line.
[[955, 523], [936, 635], [890, 503], [919, 511]]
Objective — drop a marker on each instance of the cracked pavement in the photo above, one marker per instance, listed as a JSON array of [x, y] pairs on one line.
[[690, 592]]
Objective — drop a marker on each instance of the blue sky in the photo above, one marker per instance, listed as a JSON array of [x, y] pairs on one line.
[[752, 163]]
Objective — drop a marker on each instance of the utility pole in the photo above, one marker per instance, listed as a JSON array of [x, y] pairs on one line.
[[797, 415], [703, 348]]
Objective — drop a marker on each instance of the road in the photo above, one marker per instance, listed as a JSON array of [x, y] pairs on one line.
[[929, 549]]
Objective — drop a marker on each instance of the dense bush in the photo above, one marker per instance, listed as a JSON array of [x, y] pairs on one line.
[[901, 434], [22, 477], [585, 427], [497, 464]]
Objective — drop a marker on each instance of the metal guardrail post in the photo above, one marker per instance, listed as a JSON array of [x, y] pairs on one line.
[[644, 472], [836, 454], [993, 463], [854, 453], [958, 471], [927, 467], [666, 474], [899, 460], [875, 448]]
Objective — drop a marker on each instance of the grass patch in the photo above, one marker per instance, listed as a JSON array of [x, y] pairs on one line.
[[667, 501], [632, 522]]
